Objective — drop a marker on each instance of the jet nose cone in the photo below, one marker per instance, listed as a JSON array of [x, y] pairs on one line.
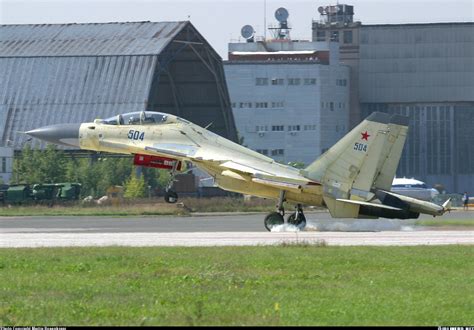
[[63, 134]]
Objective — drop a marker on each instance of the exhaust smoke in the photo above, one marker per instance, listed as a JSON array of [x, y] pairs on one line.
[[348, 225]]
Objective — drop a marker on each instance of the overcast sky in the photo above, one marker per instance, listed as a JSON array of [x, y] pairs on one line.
[[220, 21]]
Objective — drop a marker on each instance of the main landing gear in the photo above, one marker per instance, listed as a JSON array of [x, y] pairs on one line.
[[170, 195], [277, 218]]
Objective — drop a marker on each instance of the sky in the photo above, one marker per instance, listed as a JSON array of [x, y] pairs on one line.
[[220, 21]]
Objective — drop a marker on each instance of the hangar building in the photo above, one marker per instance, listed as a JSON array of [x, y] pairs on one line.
[[70, 73], [424, 71]]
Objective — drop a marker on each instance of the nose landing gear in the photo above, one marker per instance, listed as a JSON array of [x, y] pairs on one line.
[[170, 195]]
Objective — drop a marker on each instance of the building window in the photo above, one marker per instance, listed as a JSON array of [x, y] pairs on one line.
[[310, 81], [280, 104], [263, 151], [260, 129], [347, 37], [4, 165], [331, 106], [245, 105], [278, 81], [261, 105], [335, 36], [278, 128], [293, 128], [294, 81], [278, 152], [341, 82], [261, 81], [320, 35]]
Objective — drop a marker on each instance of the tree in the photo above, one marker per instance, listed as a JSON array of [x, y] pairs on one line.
[[135, 187], [51, 165]]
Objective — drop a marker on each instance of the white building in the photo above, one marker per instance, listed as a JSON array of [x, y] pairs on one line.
[[290, 99], [6, 164]]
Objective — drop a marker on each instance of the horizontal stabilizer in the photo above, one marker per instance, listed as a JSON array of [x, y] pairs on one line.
[[447, 205], [368, 204]]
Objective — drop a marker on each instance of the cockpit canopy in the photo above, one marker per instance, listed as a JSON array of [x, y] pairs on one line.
[[141, 118], [137, 118]]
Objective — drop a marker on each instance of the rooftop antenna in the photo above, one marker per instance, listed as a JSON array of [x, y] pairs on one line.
[[248, 32], [264, 20], [282, 31]]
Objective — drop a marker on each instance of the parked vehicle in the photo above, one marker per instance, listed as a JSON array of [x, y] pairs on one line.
[[413, 188], [24, 193]]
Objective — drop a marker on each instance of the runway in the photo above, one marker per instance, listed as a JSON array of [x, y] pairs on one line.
[[224, 222], [219, 230], [389, 238]]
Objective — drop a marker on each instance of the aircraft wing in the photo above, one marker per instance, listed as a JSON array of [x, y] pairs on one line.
[[174, 149], [271, 174]]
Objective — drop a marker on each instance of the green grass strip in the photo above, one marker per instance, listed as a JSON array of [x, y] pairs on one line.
[[280, 285]]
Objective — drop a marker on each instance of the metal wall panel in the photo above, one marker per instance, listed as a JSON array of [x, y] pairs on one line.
[[417, 63], [288, 106], [40, 91]]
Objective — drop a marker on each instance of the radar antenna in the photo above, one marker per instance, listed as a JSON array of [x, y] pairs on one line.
[[282, 31], [248, 33]]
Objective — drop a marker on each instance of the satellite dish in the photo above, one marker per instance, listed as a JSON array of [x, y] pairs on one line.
[[281, 14], [321, 10], [247, 31]]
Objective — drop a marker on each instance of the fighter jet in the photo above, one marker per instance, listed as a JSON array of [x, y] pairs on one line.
[[352, 179]]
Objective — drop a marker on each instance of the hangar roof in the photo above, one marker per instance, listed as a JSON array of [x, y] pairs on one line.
[[92, 39]]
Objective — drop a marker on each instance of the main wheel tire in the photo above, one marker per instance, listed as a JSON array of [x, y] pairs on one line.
[[171, 197], [273, 219], [299, 221]]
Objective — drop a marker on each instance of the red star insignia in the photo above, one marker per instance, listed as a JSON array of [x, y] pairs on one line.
[[365, 136]]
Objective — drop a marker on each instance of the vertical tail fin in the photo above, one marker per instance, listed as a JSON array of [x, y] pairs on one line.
[[367, 156], [392, 151]]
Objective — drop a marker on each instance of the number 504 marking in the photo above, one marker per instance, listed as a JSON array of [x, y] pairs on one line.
[[360, 147], [136, 135]]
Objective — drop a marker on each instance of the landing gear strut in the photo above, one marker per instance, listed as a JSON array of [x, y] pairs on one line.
[[276, 218], [297, 219], [170, 195]]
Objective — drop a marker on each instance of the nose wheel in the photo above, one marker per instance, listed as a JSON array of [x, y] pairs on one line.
[[171, 197]]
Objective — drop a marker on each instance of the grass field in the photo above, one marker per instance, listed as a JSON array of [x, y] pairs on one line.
[[280, 285], [143, 207], [78, 210]]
